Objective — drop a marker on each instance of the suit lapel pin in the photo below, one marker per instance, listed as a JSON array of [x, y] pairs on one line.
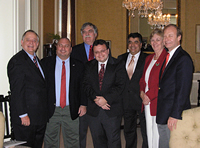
[[73, 65], [157, 64]]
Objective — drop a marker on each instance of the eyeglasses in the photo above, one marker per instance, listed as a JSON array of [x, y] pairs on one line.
[[29, 40], [98, 52], [89, 31], [65, 46]]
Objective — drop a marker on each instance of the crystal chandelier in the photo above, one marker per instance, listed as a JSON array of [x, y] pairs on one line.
[[158, 20], [144, 7]]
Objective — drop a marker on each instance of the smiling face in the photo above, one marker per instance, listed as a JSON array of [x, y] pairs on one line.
[[30, 42], [134, 45], [157, 43], [89, 35], [101, 52], [63, 49], [171, 40]]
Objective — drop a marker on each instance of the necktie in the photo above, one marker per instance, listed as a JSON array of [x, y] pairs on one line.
[[101, 75], [35, 61], [91, 54], [130, 67], [63, 87], [166, 60]]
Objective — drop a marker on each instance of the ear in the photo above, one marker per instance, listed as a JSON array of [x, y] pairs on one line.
[[22, 42], [179, 38]]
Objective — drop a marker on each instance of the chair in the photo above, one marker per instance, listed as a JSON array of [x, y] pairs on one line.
[[2, 128], [187, 132]]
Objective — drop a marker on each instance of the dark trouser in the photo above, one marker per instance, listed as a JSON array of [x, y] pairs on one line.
[[83, 128], [105, 130], [130, 128], [33, 134]]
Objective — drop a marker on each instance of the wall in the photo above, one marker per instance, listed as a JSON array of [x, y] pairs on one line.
[[189, 18], [48, 20], [110, 19]]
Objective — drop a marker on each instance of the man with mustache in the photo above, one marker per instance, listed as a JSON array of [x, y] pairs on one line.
[[84, 53]]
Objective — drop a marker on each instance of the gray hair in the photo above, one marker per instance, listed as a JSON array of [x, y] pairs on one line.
[[32, 32], [91, 25]]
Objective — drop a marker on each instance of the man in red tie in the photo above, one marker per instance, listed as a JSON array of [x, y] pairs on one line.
[[103, 84], [66, 98], [83, 52]]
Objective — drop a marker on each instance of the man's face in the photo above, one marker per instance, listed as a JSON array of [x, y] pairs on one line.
[[30, 43], [101, 53], [63, 49], [170, 38], [134, 45], [89, 35]]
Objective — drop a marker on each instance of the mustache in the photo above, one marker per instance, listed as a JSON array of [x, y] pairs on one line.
[[87, 36]]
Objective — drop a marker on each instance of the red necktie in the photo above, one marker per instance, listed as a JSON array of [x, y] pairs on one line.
[[91, 54], [166, 60], [63, 87], [35, 61], [101, 74]]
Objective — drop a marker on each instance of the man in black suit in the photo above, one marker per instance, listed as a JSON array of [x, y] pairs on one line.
[[174, 86], [84, 53], [58, 68], [28, 93], [103, 84], [133, 63]]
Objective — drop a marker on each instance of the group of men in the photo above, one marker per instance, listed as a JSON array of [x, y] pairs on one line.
[[54, 94]]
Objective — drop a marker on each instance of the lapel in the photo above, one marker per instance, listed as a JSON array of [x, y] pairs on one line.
[[108, 71], [139, 65], [83, 53], [32, 65], [171, 60]]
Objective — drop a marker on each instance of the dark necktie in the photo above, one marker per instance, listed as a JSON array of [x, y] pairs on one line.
[[63, 87], [101, 74], [35, 61], [91, 54], [163, 68]]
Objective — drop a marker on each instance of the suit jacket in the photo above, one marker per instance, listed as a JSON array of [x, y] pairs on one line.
[[174, 87], [78, 52], [76, 97], [131, 93], [153, 81], [28, 90], [112, 87]]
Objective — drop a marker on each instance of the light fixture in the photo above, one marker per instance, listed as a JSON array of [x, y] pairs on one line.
[[158, 20], [144, 7]]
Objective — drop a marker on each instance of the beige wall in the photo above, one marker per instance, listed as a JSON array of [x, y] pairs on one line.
[[110, 19], [190, 16]]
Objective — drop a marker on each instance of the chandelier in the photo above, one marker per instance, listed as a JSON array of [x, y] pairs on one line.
[[158, 20], [144, 7]]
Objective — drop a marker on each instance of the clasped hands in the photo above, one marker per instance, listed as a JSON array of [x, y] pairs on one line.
[[101, 102]]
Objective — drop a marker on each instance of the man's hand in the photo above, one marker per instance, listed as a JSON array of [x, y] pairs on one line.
[[82, 110], [101, 102], [25, 121], [145, 98], [171, 123]]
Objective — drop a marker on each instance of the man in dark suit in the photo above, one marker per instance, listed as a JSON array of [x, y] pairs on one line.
[[28, 93], [133, 63], [58, 68], [103, 84], [174, 86], [84, 53]]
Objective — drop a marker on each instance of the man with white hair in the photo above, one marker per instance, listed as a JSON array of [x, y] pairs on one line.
[[83, 52]]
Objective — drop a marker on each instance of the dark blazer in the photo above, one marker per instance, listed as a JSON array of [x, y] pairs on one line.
[[78, 52], [153, 81], [112, 87], [132, 87], [28, 90], [174, 87], [76, 97]]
